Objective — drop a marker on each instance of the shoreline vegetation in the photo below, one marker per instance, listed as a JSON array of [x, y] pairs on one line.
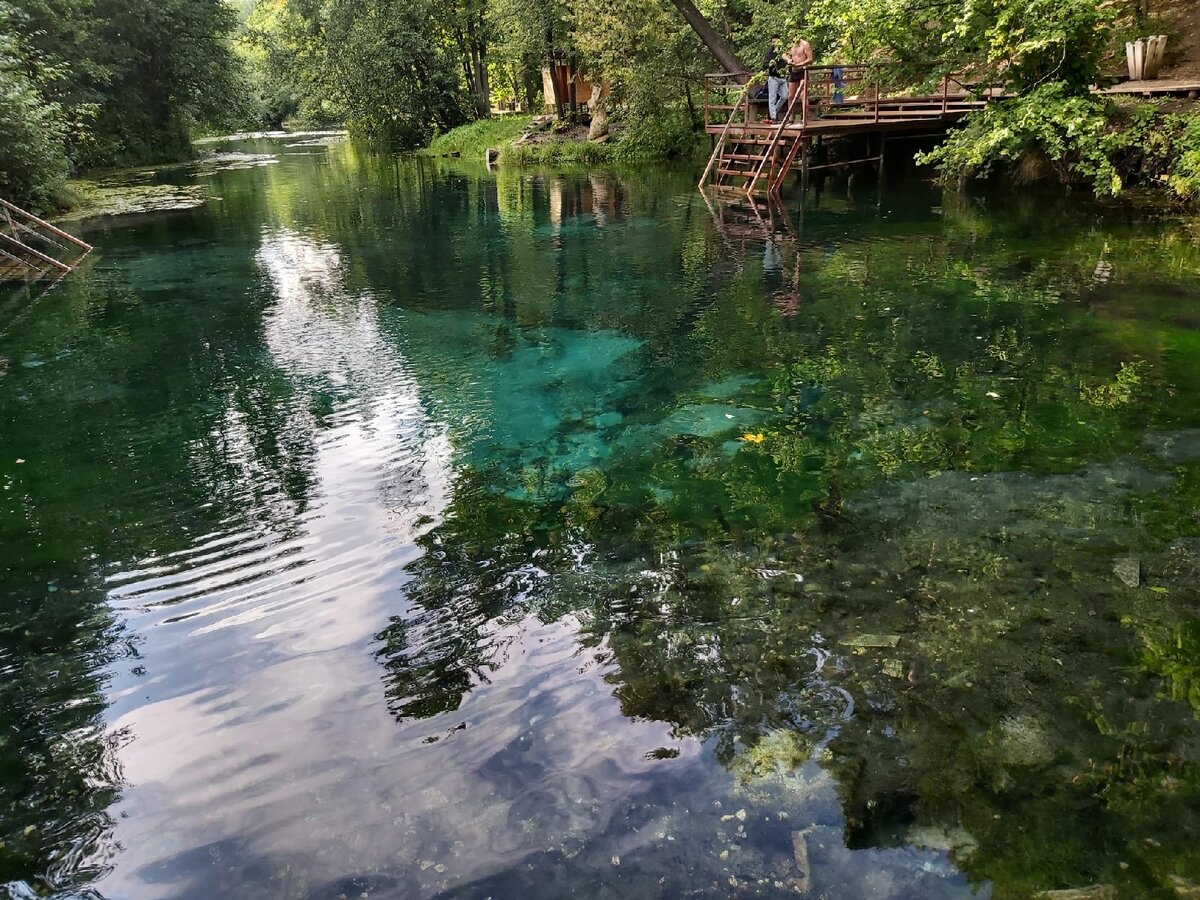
[[95, 85], [526, 140]]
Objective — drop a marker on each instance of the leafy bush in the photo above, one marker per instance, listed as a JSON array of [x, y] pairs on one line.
[[1160, 148], [654, 130], [1184, 177], [1070, 132], [33, 163]]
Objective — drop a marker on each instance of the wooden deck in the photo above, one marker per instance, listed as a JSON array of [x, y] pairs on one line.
[[754, 155], [1159, 87]]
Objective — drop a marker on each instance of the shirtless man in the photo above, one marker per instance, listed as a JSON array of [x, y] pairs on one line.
[[798, 59]]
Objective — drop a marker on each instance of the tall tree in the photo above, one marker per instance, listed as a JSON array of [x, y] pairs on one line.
[[472, 33], [169, 64], [531, 32], [720, 48], [394, 73]]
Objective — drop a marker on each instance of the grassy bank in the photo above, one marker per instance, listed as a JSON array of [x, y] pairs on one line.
[[473, 139], [501, 132], [673, 139]]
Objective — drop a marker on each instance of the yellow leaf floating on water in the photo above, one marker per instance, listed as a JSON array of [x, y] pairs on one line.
[[754, 438]]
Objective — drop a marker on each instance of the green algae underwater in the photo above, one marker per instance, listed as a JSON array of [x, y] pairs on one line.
[[391, 529]]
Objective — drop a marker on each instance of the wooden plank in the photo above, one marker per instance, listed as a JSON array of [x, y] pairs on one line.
[[1157, 86]]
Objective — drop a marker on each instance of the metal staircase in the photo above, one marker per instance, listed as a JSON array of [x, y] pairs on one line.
[[32, 249]]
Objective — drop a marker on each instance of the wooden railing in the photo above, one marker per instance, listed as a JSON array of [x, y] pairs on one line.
[[851, 90], [32, 247], [832, 100], [725, 97], [740, 106]]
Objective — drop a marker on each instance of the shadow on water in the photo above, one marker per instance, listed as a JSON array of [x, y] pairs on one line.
[[407, 531]]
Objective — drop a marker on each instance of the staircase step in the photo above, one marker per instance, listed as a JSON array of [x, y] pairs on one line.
[[754, 139]]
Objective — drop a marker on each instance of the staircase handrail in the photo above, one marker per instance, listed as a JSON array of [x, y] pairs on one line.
[[37, 254], [720, 145], [779, 129], [41, 223]]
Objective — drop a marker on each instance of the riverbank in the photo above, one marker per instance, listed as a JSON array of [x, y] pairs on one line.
[[525, 140], [1132, 144]]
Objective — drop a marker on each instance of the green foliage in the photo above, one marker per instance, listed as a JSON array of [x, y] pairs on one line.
[[1153, 147], [393, 78], [1067, 131], [1033, 42], [652, 61], [1185, 177], [526, 32], [1025, 43], [473, 139], [1048, 52], [1174, 653], [88, 83], [173, 71], [387, 68], [668, 132], [33, 161]]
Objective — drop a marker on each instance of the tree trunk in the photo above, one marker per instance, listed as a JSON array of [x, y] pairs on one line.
[[480, 85], [485, 85], [515, 83], [479, 81], [716, 44], [571, 89], [533, 84], [555, 84], [693, 119]]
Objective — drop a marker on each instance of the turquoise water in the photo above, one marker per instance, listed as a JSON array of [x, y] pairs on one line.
[[392, 530]]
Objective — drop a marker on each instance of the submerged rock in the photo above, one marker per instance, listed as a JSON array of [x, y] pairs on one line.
[[1129, 570], [1024, 742], [1184, 889], [893, 668], [871, 641], [1175, 447], [951, 839], [1095, 892]]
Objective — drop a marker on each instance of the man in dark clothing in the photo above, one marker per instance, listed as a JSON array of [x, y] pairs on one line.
[[776, 68]]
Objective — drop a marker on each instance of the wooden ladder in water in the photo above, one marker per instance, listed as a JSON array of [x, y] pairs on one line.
[[754, 159], [31, 249]]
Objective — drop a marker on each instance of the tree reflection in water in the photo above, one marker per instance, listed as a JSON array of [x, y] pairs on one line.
[[949, 644], [888, 549]]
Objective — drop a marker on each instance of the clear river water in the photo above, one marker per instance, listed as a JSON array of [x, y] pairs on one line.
[[391, 528]]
